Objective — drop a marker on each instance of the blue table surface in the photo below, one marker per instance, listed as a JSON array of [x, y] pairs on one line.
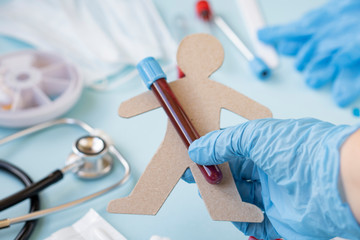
[[184, 215]]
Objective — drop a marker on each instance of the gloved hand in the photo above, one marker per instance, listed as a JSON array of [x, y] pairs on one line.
[[288, 168], [326, 43]]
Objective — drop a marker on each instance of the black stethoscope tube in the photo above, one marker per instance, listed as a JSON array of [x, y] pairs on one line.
[[31, 190], [29, 226]]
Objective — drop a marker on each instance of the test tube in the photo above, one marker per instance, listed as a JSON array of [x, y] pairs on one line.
[[257, 65], [155, 79]]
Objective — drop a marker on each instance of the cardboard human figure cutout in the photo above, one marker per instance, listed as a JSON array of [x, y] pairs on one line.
[[202, 99]]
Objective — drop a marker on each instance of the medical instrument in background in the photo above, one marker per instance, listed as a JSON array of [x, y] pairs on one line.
[[257, 65], [36, 87], [253, 20], [89, 160], [92, 157], [102, 38], [155, 80]]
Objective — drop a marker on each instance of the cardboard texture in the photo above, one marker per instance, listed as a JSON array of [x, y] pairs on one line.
[[202, 99]]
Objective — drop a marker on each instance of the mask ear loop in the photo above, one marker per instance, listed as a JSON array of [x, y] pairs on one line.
[[105, 84]]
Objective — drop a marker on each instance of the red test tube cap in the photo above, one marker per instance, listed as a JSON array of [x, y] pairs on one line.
[[181, 74], [203, 10]]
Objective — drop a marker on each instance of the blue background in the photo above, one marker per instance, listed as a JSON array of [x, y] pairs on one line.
[[183, 216]]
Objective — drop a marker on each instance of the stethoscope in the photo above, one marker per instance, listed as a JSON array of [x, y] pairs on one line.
[[92, 157]]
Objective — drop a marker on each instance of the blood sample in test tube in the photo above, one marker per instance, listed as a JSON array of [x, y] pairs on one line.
[[155, 79]]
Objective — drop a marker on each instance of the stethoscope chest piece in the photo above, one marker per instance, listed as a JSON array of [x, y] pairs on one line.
[[94, 154], [92, 157]]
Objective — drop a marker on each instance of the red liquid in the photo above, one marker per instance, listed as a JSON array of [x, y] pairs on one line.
[[182, 124]]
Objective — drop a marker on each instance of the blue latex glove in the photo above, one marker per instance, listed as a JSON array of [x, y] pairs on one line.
[[289, 38], [317, 39], [290, 169]]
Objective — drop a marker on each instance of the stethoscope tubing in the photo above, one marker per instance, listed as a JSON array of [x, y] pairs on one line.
[[29, 226], [37, 187], [31, 190], [41, 213]]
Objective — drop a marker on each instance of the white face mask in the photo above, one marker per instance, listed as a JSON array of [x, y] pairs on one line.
[[91, 226], [100, 37]]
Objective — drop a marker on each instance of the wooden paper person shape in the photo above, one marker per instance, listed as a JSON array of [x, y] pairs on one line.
[[202, 99]]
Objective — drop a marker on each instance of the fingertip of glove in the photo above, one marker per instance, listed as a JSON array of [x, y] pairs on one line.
[[266, 35], [341, 99], [288, 48], [195, 151], [312, 82], [201, 151], [318, 77], [316, 82], [343, 96], [300, 66]]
